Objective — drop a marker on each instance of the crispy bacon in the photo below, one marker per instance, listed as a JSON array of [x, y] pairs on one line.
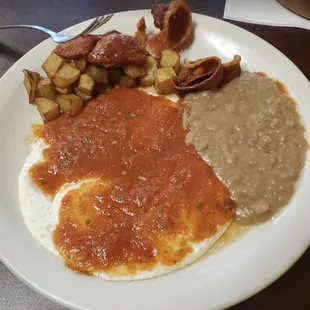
[[140, 34], [206, 73], [231, 69], [176, 28], [115, 50], [158, 11]]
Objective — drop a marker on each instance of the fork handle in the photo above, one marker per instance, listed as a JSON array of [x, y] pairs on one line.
[[43, 29]]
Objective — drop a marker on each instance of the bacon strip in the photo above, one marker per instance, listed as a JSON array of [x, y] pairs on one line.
[[140, 34], [176, 27], [231, 69], [206, 73], [158, 11]]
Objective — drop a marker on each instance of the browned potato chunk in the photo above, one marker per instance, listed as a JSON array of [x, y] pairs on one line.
[[45, 89], [127, 81], [114, 74], [86, 84], [64, 91], [48, 109], [82, 95], [66, 76], [79, 64], [170, 58], [99, 74], [134, 71], [52, 64], [30, 82], [163, 80], [70, 104], [150, 67]]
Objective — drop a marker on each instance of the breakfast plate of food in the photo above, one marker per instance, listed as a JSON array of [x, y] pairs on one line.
[[158, 163]]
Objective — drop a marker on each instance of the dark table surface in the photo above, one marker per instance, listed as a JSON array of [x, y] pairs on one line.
[[291, 291]]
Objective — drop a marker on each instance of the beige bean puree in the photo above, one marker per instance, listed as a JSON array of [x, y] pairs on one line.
[[251, 134]]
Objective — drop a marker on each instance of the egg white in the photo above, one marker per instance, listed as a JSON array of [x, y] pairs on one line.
[[41, 218]]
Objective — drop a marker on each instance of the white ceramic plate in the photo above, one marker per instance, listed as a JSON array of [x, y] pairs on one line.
[[225, 278]]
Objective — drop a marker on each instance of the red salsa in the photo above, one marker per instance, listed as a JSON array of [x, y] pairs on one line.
[[150, 194]]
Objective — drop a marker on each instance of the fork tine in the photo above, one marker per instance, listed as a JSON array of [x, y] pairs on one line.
[[90, 26], [101, 21], [95, 25], [108, 17]]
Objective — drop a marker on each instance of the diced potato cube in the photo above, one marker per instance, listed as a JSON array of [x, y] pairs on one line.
[[48, 109], [82, 95], [127, 81], [163, 80], [64, 91], [147, 80], [45, 89], [52, 64], [99, 74], [134, 71], [86, 84], [170, 58], [114, 74], [79, 64], [30, 82], [150, 67], [70, 104], [66, 76]]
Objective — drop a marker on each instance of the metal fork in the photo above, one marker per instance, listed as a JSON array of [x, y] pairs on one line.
[[62, 38]]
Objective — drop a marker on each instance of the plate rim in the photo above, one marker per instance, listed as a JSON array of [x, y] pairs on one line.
[[65, 303]]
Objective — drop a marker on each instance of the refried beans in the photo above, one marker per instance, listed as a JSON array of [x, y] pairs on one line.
[[250, 133]]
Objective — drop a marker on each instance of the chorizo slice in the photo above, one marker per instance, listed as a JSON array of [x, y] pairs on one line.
[[76, 48], [115, 50]]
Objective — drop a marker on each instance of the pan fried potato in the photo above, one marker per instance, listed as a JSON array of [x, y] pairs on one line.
[[64, 91], [70, 104], [170, 58], [30, 82], [114, 74], [48, 109], [99, 74], [134, 71], [79, 64], [45, 89], [127, 81], [150, 67], [82, 95], [52, 64], [66, 76], [86, 84], [163, 80]]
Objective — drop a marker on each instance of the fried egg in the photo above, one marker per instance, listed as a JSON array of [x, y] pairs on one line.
[[41, 216]]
